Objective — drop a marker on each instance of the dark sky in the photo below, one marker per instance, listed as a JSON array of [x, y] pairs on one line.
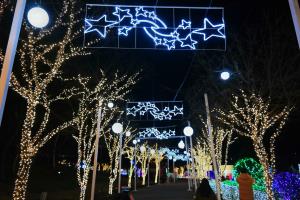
[[164, 72]]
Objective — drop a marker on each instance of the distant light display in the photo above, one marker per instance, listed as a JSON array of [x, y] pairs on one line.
[[158, 110], [170, 28], [159, 133], [287, 185]]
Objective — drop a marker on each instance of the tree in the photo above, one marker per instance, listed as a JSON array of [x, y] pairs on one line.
[[202, 159], [158, 156], [129, 151], [251, 115], [3, 5], [144, 157], [112, 141], [40, 60], [92, 97]]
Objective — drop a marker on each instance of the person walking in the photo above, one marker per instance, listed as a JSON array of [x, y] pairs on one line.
[[245, 182], [204, 191]]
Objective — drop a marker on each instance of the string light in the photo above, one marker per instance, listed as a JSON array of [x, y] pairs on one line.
[[129, 18], [90, 101], [158, 156], [287, 185], [202, 159], [129, 151], [154, 132], [252, 116], [3, 5], [143, 108]]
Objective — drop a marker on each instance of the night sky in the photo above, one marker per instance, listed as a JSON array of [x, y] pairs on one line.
[[163, 72]]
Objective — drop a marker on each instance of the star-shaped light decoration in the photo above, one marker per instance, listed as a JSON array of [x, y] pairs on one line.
[[185, 24], [131, 111], [122, 13], [157, 41], [170, 44], [188, 42], [152, 15], [124, 30], [99, 25], [177, 111], [141, 12], [209, 26]]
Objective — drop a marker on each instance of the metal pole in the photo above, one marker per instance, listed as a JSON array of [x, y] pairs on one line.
[[149, 170], [120, 162], [212, 150], [10, 53], [295, 11], [159, 174], [174, 171], [96, 151], [168, 170], [187, 164], [193, 163], [135, 165]]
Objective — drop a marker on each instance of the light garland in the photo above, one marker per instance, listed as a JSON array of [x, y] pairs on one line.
[[150, 108], [126, 19], [251, 116], [40, 65], [90, 101], [154, 132]]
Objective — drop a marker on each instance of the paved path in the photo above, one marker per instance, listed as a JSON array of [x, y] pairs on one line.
[[172, 191]]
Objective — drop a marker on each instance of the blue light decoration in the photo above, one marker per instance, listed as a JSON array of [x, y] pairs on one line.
[[287, 185], [155, 132], [170, 28], [158, 110]]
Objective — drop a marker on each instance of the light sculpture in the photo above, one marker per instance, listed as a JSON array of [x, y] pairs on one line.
[[135, 109], [125, 20], [154, 132]]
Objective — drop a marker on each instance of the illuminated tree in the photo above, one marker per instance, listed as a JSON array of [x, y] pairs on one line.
[[90, 101], [112, 141], [158, 156], [3, 5], [40, 61], [129, 151], [143, 158], [252, 116], [202, 158]]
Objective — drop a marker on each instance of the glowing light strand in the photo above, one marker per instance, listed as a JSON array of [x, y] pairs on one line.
[[154, 132], [143, 108], [154, 27]]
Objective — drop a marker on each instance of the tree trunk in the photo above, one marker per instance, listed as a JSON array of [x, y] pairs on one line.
[[22, 178], [110, 185], [156, 172], [130, 175], [83, 190]]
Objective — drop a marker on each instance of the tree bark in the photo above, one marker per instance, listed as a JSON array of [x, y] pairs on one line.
[[25, 165]]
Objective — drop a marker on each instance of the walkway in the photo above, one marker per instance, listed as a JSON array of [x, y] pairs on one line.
[[170, 191]]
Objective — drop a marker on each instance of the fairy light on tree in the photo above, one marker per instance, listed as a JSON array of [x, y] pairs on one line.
[[202, 159], [3, 5], [129, 151], [252, 116], [158, 156], [90, 100], [112, 142], [143, 157], [40, 64]]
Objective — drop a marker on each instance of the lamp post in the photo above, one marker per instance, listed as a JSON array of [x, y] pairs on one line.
[[134, 142], [174, 160], [96, 150], [225, 75], [11, 50], [118, 129], [211, 146], [189, 131], [187, 163]]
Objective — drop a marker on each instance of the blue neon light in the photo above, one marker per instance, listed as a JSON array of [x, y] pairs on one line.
[[183, 36], [154, 132]]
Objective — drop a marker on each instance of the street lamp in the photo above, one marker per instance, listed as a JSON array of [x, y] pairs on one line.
[[118, 129], [225, 75], [181, 145], [11, 51], [38, 17], [189, 131]]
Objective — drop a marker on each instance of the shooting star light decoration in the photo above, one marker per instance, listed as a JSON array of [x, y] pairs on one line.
[[154, 132]]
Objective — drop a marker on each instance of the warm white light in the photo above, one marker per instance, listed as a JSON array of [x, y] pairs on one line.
[[128, 133], [134, 142], [225, 75], [110, 104], [188, 131], [38, 17], [152, 151], [117, 128], [181, 145], [142, 148]]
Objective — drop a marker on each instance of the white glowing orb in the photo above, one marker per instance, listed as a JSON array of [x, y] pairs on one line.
[[134, 142], [188, 131], [181, 145], [142, 148], [38, 17], [110, 104], [128, 133], [117, 128], [225, 75]]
